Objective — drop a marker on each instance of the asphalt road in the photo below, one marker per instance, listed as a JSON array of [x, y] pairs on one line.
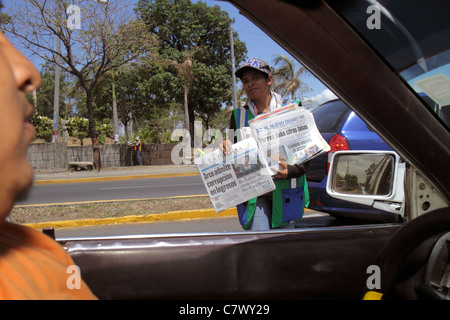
[[114, 190]]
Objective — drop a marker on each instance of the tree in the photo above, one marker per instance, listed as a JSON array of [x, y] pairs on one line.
[[95, 37], [288, 78], [185, 70], [196, 38]]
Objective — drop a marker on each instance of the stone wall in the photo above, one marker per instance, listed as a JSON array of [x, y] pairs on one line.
[[157, 154], [46, 156]]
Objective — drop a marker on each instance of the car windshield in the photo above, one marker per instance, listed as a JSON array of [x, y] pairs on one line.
[[415, 42], [126, 94]]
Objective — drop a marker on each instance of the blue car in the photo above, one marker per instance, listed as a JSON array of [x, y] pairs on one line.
[[343, 130]]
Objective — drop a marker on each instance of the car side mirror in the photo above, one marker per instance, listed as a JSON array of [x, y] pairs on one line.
[[373, 178]]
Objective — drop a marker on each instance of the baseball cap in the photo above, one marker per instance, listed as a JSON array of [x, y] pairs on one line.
[[256, 64]]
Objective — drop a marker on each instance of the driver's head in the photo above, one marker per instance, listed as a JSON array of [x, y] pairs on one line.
[[17, 77]]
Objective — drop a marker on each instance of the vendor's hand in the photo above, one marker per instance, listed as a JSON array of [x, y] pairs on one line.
[[283, 172], [225, 146]]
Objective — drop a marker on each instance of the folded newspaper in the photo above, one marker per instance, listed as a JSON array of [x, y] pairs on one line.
[[234, 178], [288, 134]]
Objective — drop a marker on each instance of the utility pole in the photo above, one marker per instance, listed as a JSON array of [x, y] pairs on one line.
[[115, 120], [56, 93], [57, 78], [233, 67]]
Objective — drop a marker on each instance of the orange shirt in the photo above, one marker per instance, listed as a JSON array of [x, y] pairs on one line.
[[34, 266]]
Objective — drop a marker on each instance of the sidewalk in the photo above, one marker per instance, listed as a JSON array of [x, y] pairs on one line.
[[113, 173]]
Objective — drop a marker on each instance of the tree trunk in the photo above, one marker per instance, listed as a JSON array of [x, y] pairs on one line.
[[93, 134], [192, 125], [187, 119], [186, 107]]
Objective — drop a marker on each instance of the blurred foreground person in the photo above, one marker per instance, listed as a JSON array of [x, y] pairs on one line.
[[32, 265]]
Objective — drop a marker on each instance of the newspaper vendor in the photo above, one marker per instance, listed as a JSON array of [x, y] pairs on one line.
[[280, 208]]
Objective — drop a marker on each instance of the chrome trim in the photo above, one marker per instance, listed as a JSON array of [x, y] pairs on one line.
[[128, 242]]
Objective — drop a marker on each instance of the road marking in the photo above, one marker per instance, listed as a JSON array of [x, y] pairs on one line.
[[151, 186]]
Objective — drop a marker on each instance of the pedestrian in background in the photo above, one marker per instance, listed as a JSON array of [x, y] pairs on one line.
[[138, 151]]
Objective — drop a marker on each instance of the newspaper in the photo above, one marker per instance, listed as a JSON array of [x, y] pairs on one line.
[[237, 177], [288, 134]]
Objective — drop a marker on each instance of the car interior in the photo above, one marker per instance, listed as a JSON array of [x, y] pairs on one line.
[[329, 38]]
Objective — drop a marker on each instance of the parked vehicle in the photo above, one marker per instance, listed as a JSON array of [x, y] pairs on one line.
[[343, 130]]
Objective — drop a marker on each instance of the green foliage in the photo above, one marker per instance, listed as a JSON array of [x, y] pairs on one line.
[[145, 135], [77, 125], [101, 139], [104, 129], [154, 135], [46, 135], [41, 123], [80, 136]]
